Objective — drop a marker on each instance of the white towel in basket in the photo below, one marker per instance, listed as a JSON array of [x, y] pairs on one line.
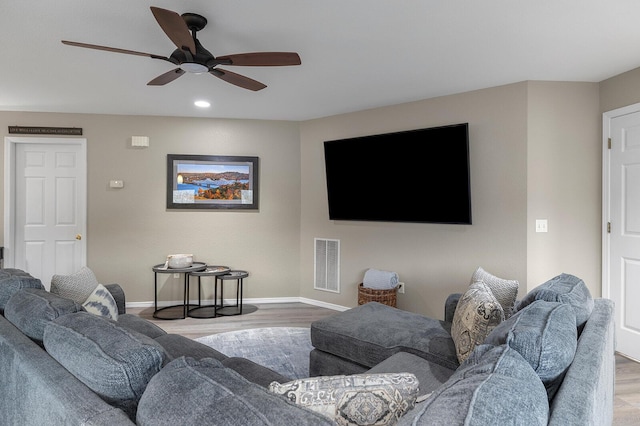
[[380, 280]]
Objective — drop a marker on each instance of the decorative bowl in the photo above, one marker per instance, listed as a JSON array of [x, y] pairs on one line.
[[178, 261]]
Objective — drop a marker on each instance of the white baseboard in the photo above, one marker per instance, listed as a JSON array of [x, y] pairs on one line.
[[266, 300]]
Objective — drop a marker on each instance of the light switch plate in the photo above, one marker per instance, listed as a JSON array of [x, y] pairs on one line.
[[541, 225], [116, 184]]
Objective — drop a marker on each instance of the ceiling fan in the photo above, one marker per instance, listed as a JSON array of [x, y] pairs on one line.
[[191, 57]]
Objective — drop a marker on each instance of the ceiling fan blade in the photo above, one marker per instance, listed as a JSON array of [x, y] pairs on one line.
[[114, 49], [237, 79], [165, 78], [262, 59], [175, 28]]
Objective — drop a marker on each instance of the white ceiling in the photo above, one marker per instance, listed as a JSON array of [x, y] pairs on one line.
[[356, 54]]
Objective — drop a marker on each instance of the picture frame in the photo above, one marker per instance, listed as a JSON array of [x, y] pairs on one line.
[[212, 182]]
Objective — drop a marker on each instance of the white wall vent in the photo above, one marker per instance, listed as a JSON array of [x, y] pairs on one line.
[[326, 267]]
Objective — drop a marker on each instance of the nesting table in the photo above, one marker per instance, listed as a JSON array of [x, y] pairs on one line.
[[207, 311], [174, 311], [221, 274]]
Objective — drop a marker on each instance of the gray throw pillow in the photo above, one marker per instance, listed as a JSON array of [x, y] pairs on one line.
[[31, 309], [494, 386], [565, 288], [77, 286], [477, 313], [544, 333], [115, 363], [505, 291]]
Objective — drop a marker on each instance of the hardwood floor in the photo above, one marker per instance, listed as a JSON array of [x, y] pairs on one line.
[[626, 404]]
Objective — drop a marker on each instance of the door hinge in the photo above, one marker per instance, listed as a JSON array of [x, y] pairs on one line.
[[609, 143], [609, 227]]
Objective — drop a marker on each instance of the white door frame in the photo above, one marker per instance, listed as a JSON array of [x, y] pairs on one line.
[[10, 144], [606, 196]]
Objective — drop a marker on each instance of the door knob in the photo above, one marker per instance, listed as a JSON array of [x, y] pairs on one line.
[[78, 236]]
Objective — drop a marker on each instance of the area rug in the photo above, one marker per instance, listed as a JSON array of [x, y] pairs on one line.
[[282, 349]]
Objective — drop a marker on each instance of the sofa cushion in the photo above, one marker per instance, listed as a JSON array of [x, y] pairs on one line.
[[355, 335], [363, 399], [477, 313], [505, 291], [210, 393], [544, 333], [429, 375], [564, 288], [101, 302], [254, 372], [31, 309], [140, 325], [115, 363], [12, 280], [495, 386], [176, 346], [77, 286]]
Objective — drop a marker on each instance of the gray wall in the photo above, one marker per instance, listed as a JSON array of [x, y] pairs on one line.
[[130, 230], [535, 153], [564, 179], [524, 138]]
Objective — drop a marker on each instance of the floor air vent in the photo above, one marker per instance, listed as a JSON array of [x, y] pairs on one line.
[[326, 268]]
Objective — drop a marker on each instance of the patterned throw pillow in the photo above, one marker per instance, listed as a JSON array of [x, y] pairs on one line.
[[77, 287], [478, 312], [505, 291], [101, 303], [359, 399]]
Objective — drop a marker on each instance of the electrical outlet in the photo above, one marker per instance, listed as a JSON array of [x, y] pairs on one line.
[[401, 288], [176, 275]]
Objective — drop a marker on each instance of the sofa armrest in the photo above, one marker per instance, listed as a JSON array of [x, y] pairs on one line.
[[450, 306], [118, 294]]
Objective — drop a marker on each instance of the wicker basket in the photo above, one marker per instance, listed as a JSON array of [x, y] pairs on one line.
[[387, 297]]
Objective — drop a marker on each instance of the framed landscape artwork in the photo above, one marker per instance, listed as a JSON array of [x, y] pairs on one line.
[[212, 182]]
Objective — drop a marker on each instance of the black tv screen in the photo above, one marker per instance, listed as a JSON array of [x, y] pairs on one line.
[[411, 176]]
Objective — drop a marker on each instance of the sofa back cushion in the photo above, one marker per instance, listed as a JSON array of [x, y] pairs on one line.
[[114, 362], [494, 386], [12, 280], [197, 392], [544, 333], [564, 288], [31, 309]]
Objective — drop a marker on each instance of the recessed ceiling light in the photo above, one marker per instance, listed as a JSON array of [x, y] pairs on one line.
[[202, 104]]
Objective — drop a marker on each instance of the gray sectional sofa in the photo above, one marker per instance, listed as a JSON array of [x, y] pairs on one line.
[[551, 362], [60, 365]]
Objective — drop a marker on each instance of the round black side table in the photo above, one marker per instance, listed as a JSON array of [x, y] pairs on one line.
[[172, 312], [206, 311], [236, 309]]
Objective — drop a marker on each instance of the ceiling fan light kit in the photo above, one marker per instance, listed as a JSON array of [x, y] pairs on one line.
[[190, 56]]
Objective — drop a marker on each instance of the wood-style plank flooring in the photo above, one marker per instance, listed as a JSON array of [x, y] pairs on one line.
[[627, 385]]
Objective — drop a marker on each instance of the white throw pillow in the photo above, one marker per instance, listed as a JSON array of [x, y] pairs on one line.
[[77, 286], [101, 303], [358, 399]]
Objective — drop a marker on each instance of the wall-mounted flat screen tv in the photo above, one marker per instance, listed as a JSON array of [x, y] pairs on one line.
[[411, 176]]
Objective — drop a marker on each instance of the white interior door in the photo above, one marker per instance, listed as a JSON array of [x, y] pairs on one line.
[[621, 213], [47, 203]]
